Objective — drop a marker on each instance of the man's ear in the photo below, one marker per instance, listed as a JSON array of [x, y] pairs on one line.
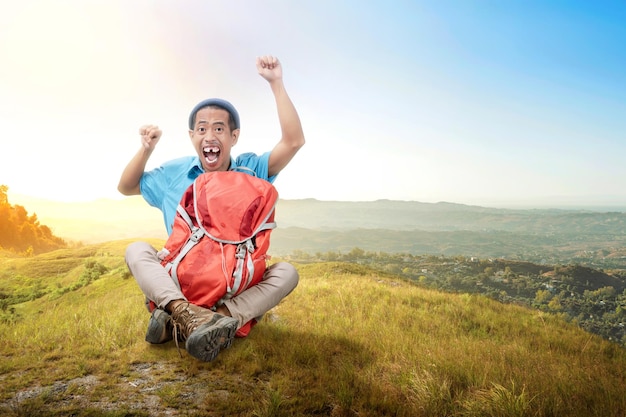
[[235, 136], [191, 134]]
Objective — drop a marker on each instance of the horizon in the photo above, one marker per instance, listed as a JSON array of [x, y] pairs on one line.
[[568, 205], [475, 103]]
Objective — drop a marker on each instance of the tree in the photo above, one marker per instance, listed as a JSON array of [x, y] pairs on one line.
[[542, 296], [4, 196], [21, 232], [555, 304]]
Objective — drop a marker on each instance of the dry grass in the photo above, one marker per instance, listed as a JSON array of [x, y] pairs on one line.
[[347, 342]]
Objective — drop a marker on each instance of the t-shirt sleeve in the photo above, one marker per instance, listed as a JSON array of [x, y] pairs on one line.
[[157, 185], [151, 186]]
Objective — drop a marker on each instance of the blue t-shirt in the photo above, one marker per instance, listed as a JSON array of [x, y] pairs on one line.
[[163, 187]]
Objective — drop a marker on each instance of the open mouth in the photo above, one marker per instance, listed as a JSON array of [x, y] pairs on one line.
[[211, 154]]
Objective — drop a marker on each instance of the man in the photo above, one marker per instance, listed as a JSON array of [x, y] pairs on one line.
[[214, 128]]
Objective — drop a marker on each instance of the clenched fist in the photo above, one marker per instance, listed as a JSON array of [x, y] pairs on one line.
[[150, 135], [269, 67]]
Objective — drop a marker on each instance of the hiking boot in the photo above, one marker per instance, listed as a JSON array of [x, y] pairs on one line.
[[203, 331], [159, 327]]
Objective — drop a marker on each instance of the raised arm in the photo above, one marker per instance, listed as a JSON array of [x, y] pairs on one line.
[[292, 136], [129, 181]]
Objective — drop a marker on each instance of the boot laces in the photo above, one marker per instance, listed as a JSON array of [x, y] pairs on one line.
[[186, 318]]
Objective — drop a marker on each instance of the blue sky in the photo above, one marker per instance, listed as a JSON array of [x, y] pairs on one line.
[[496, 103]]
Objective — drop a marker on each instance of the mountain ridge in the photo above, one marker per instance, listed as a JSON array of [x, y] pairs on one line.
[[553, 235]]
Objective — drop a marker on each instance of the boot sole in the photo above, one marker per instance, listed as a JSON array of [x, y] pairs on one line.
[[208, 339]]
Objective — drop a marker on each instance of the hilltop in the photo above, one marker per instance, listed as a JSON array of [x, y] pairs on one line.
[[593, 299], [351, 340]]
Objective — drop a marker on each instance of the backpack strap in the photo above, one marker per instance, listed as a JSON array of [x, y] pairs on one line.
[[244, 259], [196, 234], [183, 213], [242, 254], [244, 169]]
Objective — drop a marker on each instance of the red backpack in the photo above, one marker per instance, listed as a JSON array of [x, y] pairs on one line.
[[220, 237]]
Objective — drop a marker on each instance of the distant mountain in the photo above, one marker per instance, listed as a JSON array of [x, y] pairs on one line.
[[552, 235], [443, 216]]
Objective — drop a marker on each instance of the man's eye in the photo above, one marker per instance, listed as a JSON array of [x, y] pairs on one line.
[[219, 129], [201, 130]]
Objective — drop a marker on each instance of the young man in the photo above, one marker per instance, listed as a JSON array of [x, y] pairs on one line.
[[214, 129]]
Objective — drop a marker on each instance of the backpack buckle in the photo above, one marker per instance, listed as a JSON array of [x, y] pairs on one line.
[[196, 235]]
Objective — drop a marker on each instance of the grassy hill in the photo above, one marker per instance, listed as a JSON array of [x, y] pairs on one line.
[[348, 341]]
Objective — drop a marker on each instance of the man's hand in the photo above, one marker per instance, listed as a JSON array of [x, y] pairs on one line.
[[269, 68], [150, 135]]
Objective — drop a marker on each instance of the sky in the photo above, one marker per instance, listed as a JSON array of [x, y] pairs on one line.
[[481, 102]]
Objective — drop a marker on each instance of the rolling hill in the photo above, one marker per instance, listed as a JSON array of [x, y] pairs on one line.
[[350, 340]]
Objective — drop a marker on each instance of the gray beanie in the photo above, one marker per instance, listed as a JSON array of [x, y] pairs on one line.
[[214, 102]]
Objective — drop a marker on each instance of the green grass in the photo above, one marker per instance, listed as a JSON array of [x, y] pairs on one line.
[[348, 341]]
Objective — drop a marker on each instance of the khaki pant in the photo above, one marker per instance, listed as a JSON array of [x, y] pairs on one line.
[[157, 285]]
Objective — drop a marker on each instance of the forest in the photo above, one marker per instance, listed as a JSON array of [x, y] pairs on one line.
[[22, 233]]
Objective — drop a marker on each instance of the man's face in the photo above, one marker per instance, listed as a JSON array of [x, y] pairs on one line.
[[213, 139]]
